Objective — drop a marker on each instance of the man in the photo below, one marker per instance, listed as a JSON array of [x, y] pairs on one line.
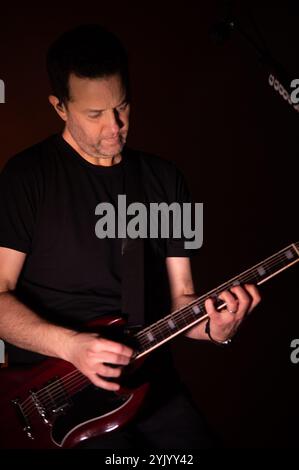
[[55, 274]]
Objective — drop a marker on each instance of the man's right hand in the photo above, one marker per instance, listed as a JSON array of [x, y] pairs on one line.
[[90, 354], [21, 326]]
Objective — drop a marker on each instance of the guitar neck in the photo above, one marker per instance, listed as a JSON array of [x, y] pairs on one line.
[[180, 320]]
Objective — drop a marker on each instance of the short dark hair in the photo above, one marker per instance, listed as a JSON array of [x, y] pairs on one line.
[[88, 51]]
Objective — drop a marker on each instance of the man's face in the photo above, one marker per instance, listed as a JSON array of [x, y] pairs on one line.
[[98, 115]]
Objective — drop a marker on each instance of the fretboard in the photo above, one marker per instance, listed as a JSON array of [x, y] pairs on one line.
[[180, 320]]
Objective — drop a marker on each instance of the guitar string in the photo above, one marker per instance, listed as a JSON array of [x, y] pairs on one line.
[[78, 384], [56, 384], [181, 311], [72, 387], [62, 394], [217, 291], [270, 260], [188, 306]]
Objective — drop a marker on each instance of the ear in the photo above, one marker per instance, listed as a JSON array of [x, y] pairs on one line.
[[59, 108]]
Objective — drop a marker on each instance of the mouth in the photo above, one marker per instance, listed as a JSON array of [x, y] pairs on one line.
[[113, 140]]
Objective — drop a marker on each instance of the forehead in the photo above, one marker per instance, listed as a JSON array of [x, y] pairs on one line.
[[100, 92]]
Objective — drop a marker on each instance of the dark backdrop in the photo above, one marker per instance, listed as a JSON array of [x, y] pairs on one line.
[[209, 108]]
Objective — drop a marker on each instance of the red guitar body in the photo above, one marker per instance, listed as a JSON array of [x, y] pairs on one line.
[[52, 405]]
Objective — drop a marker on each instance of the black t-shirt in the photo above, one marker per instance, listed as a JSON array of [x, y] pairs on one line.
[[48, 196]]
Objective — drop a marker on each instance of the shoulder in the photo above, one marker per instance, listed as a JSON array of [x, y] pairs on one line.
[[29, 160]]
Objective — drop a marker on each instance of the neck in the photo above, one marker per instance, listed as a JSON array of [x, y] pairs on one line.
[[189, 315]]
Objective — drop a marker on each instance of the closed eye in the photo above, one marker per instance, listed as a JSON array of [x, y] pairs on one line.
[[122, 107], [94, 116]]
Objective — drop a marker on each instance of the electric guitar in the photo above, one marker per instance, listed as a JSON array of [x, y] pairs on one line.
[[53, 405]]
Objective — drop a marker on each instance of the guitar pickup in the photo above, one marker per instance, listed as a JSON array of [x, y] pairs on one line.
[[57, 398]]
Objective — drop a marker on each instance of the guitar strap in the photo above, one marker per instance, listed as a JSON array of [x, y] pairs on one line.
[[132, 291]]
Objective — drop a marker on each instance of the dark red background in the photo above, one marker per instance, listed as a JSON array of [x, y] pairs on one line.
[[210, 109]]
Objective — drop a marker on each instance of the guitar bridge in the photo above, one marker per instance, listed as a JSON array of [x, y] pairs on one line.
[[23, 418], [40, 408]]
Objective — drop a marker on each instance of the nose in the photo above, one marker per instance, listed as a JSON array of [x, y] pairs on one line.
[[114, 123]]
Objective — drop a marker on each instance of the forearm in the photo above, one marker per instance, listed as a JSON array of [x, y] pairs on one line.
[[198, 331], [22, 327]]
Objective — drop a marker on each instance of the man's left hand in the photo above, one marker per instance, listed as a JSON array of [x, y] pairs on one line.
[[240, 301]]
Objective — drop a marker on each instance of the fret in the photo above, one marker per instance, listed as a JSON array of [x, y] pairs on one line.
[[191, 314], [169, 326]]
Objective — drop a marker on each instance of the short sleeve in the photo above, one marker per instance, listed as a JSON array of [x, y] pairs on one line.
[[189, 221], [17, 208]]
